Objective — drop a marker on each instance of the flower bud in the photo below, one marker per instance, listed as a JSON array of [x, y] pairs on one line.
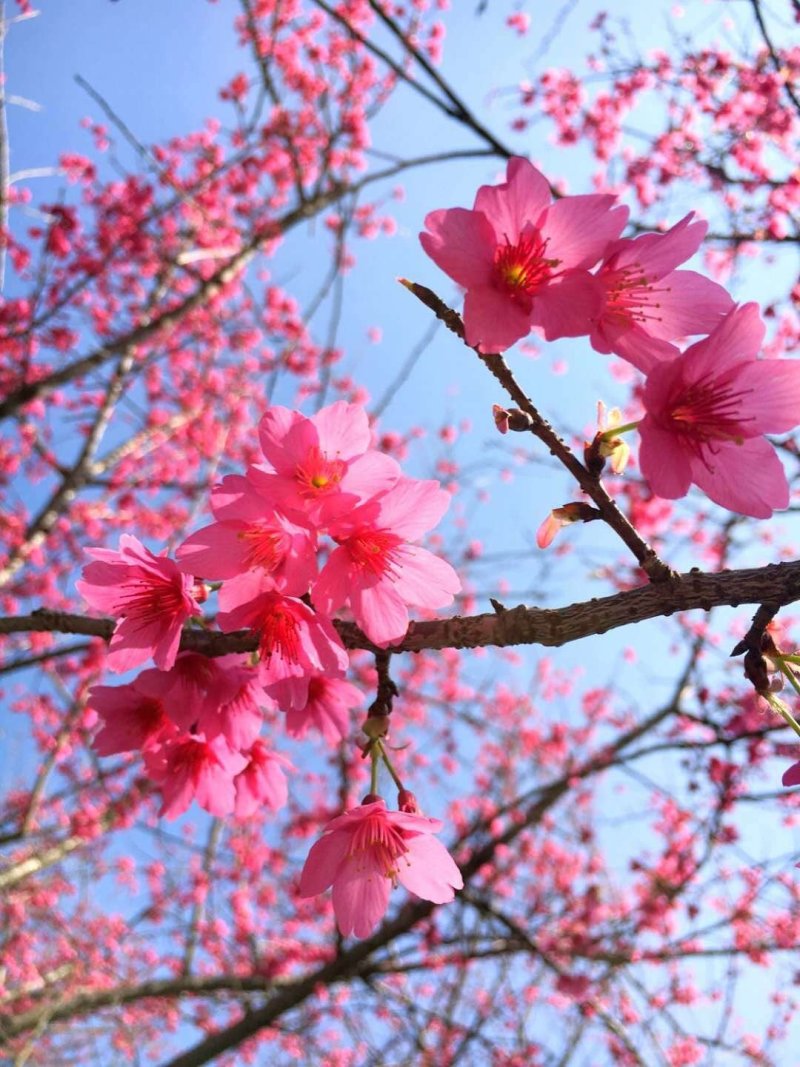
[[577, 511], [407, 802]]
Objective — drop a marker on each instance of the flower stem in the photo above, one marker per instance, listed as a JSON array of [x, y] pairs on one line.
[[389, 766], [789, 673], [615, 431], [783, 711], [373, 771]]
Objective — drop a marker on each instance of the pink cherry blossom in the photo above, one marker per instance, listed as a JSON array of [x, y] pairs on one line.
[[250, 537], [210, 696], [240, 718], [262, 781], [191, 768], [648, 303], [377, 571], [322, 465], [707, 412], [792, 775], [149, 596], [132, 719], [295, 643], [326, 709], [523, 259], [366, 851]]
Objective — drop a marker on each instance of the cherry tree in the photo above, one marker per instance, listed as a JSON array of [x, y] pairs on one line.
[[356, 718]]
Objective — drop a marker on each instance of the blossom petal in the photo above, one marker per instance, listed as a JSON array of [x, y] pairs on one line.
[[428, 870], [462, 243], [332, 588], [425, 580], [517, 202], [773, 405], [215, 551], [493, 321], [360, 896], [275, 425], [747, 478], [343, 429], [412, 507], [578, 228], [737, 338], [657, 254], [381, 612], [370, 474], [686, 303], [566, 306], [323, 863], [633, 344], [663, 462]]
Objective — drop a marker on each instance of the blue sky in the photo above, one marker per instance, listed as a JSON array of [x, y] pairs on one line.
[[159, 65]]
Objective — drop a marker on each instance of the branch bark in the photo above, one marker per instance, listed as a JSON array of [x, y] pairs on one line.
[[776, 584]]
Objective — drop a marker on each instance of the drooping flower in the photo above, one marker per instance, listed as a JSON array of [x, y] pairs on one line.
[[147, 594], [190, 768], [555, 521], [706, 414], [322, 465], [524, 259], [211, 696], [262, 781], [368, 850], [648, 303], [240, 718], [132, 719], [377, 571], [326, 709]]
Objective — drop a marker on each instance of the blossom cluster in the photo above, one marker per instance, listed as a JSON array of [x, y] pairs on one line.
[[198, 720], [528, 262]]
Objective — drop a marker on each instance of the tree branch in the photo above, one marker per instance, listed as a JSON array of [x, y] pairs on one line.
[[777, 584]]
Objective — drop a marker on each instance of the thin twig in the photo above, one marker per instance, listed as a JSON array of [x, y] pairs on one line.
[[655, 568]]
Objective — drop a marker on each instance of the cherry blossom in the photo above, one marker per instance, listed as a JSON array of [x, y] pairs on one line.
[[250, 537], [156, 306], [523, 259], [211, 696], [132, 720], [191, 768], [320, 466], [377, 572], [262, 781], [148, 594], [366, 851], [647, 302], [326, 709], [295, 643], [707, 411]]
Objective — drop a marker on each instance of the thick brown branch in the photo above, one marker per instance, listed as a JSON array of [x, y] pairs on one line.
[[777, 584]]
